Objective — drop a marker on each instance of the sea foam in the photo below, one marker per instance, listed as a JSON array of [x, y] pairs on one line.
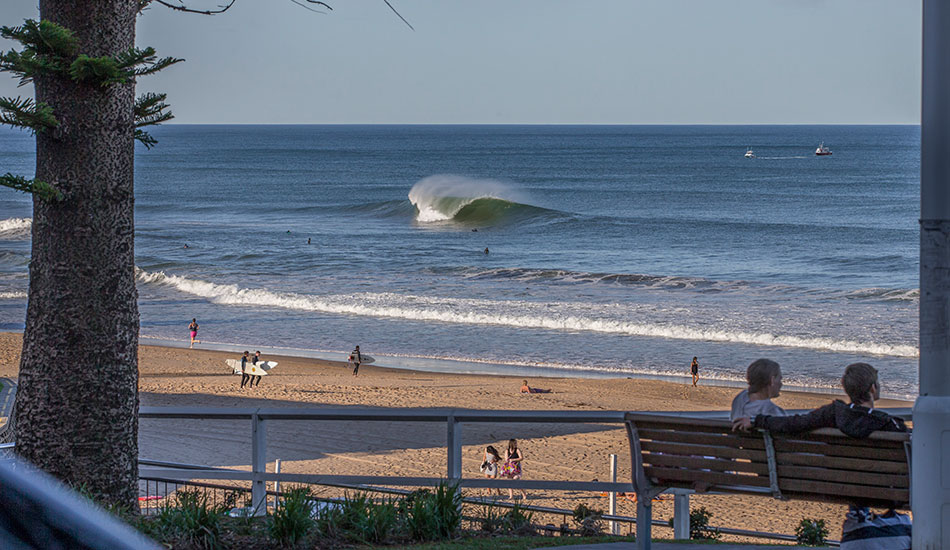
[[12, 227], [519, 314]]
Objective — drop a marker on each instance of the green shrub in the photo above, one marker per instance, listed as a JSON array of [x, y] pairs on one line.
[[328, 520], [812, 532], [517, 522], [699, 525], [433, 516], [588, 520], [291, 522], [193, 521]]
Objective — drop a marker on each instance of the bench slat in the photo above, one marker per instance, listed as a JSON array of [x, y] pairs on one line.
[[840, 463], [724, 440], [797, 446], [702, 450], [824, 489], [843, 476], [704, 463], [687, 477]]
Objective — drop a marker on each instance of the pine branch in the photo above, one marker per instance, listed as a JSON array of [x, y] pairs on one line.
[[24, 113], [130, 62], [150, 110], [43, 38], [97, 70], [145, 138], [184, 8], [41, 189]]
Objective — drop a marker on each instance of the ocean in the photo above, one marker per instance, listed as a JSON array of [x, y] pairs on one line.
[[532, 250]]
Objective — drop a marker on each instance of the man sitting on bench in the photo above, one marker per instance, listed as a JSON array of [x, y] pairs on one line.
[[857, 419]]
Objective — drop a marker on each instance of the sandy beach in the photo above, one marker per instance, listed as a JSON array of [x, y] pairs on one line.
[[183, 377]]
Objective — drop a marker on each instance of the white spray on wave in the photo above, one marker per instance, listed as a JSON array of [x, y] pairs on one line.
[[520, 314], [440, 197], [15, 226]]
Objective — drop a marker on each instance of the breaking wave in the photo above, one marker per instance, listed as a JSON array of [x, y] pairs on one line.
[[464, 200], [14, 227], [556, 316], [12, 295]]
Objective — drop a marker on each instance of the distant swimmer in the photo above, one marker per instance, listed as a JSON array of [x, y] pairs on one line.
[[486, 250], [186, 245], [308, 240], [474, 230]]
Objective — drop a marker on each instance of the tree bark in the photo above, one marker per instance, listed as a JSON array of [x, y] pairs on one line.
[[77, 400]]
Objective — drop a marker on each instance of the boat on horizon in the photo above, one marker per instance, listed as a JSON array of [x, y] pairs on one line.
[[749, 154], [822, 151]]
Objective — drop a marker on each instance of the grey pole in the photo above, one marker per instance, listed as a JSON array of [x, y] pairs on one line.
[[930, 486], [612, 495]]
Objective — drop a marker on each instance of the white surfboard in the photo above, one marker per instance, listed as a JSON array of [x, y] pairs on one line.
[[364, 359], [260, 369]]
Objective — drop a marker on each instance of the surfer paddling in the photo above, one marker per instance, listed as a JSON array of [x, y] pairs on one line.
[[193, 328]]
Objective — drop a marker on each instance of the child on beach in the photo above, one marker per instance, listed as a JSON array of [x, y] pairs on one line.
[[490, 466], [193, 328], [765, 381], [694, 370], [861, 528], [512, 467]]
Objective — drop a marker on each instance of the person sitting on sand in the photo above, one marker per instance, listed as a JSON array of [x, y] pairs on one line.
[[858, 420], [512, 467], [525, 388], [765, 381]]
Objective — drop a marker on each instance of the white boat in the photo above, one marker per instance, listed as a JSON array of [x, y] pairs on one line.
[[822, 151], [749, 154]]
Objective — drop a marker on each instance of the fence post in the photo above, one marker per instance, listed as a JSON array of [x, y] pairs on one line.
[[644, 520], [680, 515], [454, 444], [276, 484], [612, 503], [258, 465]]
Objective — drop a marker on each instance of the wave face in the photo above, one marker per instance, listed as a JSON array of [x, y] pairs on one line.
[[567, 317], [443, 198], [15, 227]]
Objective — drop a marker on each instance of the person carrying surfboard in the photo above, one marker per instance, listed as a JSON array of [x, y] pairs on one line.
[[245, 377], [256, 379], [356, 358]]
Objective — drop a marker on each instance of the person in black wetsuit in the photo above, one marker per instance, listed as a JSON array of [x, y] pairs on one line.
[[857, 419], [255, 379], [356, 358], [244, 375]]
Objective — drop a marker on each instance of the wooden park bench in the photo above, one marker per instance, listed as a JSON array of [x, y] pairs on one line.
[[706, 455]]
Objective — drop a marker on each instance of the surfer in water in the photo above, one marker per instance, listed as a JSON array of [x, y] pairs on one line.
[[256, 379], [245, 377], [694, 370], [486, 250], [193, 327], [356, 358]]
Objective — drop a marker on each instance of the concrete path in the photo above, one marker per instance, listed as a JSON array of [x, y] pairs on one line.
[[674, 546]]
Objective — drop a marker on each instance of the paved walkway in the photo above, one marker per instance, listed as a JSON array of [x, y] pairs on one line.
[[7, 393], [675, 546]]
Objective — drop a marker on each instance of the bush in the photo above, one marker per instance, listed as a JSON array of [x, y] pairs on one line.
[[192, 521], [514, 521], [433, 516], [812, 532], [291, 522], [588, 520], [699, 525]]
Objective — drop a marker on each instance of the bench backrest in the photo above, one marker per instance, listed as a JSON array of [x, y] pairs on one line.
[[824, 465]]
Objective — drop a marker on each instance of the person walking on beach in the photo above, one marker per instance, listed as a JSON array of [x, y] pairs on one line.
[[256, 379], [694, 370], [244, 375], [861, 528], [512, 467], [765, 382], [193, 327], [490, 466], [356, 358]]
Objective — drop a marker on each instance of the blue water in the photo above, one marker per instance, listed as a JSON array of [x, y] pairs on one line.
[[613, 250]]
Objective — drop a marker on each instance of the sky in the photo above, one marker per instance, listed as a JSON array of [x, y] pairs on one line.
[[535, 62]]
